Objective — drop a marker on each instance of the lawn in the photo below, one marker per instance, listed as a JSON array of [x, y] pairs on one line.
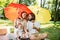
[[53, 31], [6, 22]]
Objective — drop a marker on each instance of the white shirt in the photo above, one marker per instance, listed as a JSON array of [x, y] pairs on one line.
[[17, 21], [19, 31], [29, 27], [15, 31]]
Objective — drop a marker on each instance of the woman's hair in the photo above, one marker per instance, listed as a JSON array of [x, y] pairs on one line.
[[33, 16], [20, 15], [23, 12]]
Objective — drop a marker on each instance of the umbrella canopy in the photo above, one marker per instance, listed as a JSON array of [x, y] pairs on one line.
[[42, 14], [12, 11]]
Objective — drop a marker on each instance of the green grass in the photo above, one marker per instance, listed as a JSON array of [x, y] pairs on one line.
[[6, 22], [53, 32], [11, 30]]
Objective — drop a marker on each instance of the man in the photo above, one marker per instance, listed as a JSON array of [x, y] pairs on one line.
[[34, 28]]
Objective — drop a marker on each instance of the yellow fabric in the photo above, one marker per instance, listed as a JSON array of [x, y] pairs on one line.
[[42, 14]]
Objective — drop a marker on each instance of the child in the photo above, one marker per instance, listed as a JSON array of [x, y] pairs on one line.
[[22, 32]]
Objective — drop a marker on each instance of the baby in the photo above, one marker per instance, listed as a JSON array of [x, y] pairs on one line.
[[22, 32]]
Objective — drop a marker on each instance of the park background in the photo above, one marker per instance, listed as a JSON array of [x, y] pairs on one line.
[[50, 22]]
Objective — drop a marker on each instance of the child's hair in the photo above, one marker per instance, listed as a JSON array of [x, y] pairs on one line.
[[23, 12]]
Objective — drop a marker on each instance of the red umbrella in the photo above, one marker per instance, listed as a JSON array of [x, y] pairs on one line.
[[13, 10]]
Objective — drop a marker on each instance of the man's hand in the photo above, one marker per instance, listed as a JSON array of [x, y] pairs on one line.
[[38, 29], [34, 27]]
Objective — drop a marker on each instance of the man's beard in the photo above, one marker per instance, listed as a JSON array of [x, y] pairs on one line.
[[29, 19]]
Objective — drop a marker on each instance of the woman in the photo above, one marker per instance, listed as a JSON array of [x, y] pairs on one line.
[[34, 28], [20, 24]]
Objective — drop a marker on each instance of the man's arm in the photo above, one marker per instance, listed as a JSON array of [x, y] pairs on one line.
[[38, 29]]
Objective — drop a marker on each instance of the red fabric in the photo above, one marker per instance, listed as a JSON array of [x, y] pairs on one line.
[[12, 11]]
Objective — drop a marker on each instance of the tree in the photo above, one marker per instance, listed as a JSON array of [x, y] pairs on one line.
[[56, 9], [41, 3], [3, 4], [28, 2]]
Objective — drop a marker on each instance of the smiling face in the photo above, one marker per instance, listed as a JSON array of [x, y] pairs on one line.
[[29, 17], [23, 15]]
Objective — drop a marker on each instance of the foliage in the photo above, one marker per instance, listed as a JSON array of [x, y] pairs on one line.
[[28, 2], [53, 6], [3, 4]]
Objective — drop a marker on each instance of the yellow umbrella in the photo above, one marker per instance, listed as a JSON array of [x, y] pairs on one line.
[[42, 15]]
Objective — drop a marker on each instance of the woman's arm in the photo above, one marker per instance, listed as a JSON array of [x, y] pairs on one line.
[[15, 22], [17, 33], [25, 29]]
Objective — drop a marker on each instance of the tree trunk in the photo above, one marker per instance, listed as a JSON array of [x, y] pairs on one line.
[[44, 3], [41, 3], [19, 1], [55, 14]]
